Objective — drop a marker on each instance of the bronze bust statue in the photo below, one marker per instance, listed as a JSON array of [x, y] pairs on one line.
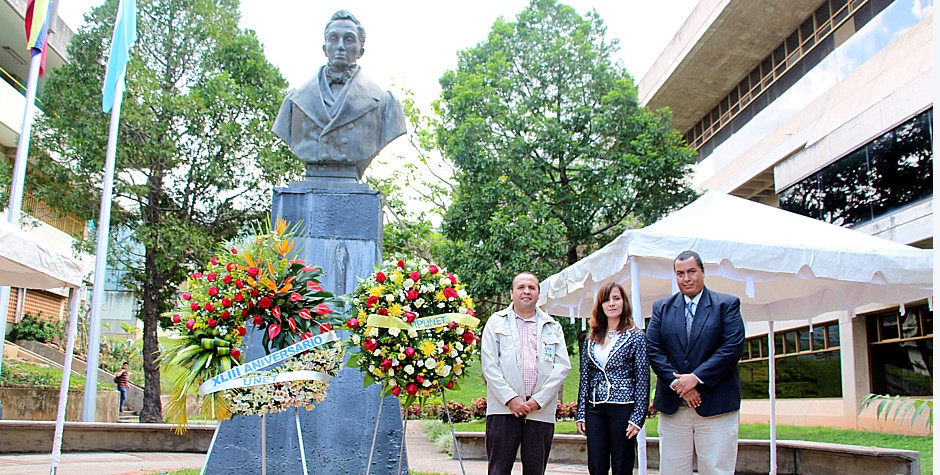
[[339, 120]]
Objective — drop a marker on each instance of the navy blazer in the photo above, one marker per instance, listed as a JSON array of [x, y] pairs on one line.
[[625, 378], [712, 352]]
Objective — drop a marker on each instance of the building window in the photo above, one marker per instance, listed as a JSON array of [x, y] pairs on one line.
[[900, 349], [879, 177], [807, 359]]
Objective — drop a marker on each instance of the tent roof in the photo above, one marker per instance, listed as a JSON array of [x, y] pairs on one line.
[[782, 265], [28, 264]]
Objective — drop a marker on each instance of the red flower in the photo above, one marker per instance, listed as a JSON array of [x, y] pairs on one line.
[[234, 251], [401, 264], [326, 328], [190, 324], [225, 315], [239, 285], [211, 322], [380, 278], [410, 316], [209, 307], [253, 271], [236, 354], [276, 311], [265, 302], [412, 389], [305, 313], [311, 269], [419, 378], [258, 320], [214, 261], [211, 277], [453, 279], [396, 391], [412, 294], [255, 292], [244, 312], [230, 266], [273, 331], [432, 269], [371, 301], [415, 276], [450, 384], [227, 279], [314, 286], [297, 261], [323, 309], [468, 338], [450, 293], [383, 311], [446, 348], [353, 323], [187, 296], [294, 296], [471, 313], [305, 335], [239, 298], [213, 291], [370, 344], [197, 275], [409, 352], [176, 319], [292, 324], [194, 306], [241, 331], [452, 325], [226, 302], [386, 363]]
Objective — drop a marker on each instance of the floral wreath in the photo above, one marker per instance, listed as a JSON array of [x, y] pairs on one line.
[[260, 282], [414, 328]]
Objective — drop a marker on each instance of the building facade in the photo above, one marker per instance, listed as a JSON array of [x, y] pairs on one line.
[[823, 108]]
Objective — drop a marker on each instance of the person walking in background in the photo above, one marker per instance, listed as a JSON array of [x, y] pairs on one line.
[[524, 362], [122, 378], [696, 338], [613, 392]]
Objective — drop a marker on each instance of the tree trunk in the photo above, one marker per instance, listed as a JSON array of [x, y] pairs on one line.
[[152, 410]]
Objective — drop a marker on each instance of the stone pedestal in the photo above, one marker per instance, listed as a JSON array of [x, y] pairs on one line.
[[341, 231]]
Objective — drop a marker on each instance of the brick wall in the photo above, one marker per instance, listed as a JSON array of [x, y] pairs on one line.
[[38, 301]]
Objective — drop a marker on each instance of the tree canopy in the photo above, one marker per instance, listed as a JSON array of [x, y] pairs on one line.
[[196, 159], [554, 156]]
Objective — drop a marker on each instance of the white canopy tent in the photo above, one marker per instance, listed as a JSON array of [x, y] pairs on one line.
[[783, 266], [28, 264]]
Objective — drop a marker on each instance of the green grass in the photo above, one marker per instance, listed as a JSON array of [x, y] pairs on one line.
[[17, 374]]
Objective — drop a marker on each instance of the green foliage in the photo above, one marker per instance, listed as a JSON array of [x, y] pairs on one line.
[[18, 374], [553, 154], [899, 407], [36, 328], [196, 158]]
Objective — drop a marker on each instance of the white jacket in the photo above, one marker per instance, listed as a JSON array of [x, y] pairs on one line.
[[502, 365]]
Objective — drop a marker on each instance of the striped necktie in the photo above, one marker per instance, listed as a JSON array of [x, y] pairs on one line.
[[689, 315]]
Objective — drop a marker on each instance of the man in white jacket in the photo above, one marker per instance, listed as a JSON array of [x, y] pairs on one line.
[[524, 363]]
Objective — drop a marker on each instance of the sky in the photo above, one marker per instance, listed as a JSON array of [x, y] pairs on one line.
[[410, 44]]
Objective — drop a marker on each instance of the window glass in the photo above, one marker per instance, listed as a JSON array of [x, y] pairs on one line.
[[902, 368], [778, 344], [811, 375], [832, 335], [790, 339], [902, 165], [819, 337], [802, 337], [889, 327], [845, 190]]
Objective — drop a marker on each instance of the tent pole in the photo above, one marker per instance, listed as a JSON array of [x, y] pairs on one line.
[[772, 391], [75, 297], [638, 321]]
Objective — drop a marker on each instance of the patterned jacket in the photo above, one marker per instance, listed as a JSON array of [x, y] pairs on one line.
[[625, 378]]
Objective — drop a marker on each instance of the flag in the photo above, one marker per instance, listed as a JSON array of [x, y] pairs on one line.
[[38, 17], [125, 35]]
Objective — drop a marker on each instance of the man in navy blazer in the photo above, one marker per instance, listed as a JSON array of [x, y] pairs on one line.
[[696, 338]]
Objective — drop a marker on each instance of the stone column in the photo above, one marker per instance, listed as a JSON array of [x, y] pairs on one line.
[[341, 231]]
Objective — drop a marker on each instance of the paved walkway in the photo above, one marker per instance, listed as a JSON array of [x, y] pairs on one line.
[[422, 456]]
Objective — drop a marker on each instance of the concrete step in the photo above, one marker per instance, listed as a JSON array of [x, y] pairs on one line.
[[128, 417]]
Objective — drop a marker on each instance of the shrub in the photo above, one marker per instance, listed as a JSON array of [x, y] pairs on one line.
[[566, 411], [458, 412], [478, 408], [34, 327]]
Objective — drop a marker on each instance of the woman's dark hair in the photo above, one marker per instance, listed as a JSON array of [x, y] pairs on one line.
[[599, 318]]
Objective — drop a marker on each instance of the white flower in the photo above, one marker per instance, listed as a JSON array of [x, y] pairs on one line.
[[391, 372], [356, 339], [222, 331], [440, 305], [444, 282], [453, 353], [377, 352], [431, 288], [412, 333], [371, 368], [430, 363], [389, 298], [394, 331], [426, 383], [407, 284], [420, 363], [394, 361], [444, 371], [458, 345], [373, 331], [419, 303], [462, 293], [410, 369]]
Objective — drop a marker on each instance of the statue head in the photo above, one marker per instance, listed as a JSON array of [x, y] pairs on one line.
[[344, 40]]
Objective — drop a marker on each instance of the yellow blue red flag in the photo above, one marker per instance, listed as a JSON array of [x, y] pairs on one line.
[[38, 17]]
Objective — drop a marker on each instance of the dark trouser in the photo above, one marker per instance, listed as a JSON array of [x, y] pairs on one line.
[[506, 433], [123, 391], [607, 443]]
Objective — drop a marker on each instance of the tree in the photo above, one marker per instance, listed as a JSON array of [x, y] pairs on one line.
[[554, 155], [196, 158]]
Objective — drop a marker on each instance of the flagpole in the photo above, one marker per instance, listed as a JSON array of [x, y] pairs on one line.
[[89, 408], [19, 180]]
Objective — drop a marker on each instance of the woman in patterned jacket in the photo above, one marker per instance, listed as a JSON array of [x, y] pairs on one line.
[[615, 382]]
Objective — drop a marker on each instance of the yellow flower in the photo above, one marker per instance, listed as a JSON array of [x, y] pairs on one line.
[[467, 302], [362, 315], [427, 347], [377, 291], [395, 310], [439, 296], [458, 368], [397, 276]]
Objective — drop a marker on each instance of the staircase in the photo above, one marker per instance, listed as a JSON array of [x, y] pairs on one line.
[[128, 417]]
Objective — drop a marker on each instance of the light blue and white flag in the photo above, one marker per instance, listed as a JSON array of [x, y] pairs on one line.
[[124, 36]]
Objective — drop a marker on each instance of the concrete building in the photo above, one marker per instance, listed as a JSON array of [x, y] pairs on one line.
[[823, 108], [52, 228]]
